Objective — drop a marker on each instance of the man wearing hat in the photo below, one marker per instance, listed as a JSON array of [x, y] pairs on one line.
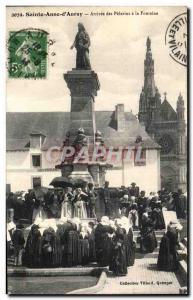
[[180, 204], [142, 204], [91, 200], [124, 205], [106, 198], [134, 190], [18, 244]]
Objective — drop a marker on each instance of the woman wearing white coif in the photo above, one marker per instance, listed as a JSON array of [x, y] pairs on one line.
[[79, 205], [66, 208]]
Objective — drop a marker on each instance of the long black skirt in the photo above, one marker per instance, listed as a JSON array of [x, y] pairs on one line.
[[118, 263], [148, 241]]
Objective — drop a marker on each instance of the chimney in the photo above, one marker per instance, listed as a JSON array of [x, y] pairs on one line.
[[120, 117]]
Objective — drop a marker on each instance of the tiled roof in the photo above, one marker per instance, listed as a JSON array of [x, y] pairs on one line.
[[54, 126], [166, 107]]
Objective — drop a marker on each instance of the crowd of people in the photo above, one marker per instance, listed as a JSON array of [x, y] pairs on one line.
[[41, 203], [81, 202], [134, 199], [109, 243], [70, 242], [60, 236]]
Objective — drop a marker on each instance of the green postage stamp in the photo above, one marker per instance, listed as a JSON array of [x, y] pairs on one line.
[[27, 54]]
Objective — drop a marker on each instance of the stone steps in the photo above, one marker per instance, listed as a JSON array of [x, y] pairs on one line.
[[183, 252], [185, 242], [158, 233], [154, 254], [182, 273]]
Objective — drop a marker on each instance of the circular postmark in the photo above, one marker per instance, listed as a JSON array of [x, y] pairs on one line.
[[176, 39], [27, 53]]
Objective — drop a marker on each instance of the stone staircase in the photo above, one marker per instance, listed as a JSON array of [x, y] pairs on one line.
[[154, 254], [182, 273]]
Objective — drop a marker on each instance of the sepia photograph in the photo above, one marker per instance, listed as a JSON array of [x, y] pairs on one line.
[[97, 150]]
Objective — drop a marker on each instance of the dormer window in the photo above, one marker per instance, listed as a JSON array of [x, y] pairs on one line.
[[36, 140]]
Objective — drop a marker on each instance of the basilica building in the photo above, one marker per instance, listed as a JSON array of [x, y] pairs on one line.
[[166, 126]]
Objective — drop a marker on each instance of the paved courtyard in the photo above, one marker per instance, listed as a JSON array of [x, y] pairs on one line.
[[143, 278]]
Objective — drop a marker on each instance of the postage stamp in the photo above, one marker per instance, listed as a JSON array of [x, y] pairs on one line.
[[27, 54], [176, 39]]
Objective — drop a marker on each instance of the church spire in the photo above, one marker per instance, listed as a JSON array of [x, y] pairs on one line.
[[150, 99], [149, 83], [180, 108], [148, 44]]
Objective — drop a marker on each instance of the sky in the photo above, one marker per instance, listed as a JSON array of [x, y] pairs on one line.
[[117, 52]]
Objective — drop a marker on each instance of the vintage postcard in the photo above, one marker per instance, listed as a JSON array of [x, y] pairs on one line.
[[97, 135]]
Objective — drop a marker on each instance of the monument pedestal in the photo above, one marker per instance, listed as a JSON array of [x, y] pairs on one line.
[[81, 171], [83, 86]]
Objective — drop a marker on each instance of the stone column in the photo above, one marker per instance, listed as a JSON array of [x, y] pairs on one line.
[[102, 172], [66, 170], [94, 171], [83, 86], [81, 171]]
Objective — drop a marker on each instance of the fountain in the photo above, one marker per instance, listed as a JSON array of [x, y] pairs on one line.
[[83, 84]]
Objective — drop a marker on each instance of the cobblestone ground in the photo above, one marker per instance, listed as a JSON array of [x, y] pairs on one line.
[[143, 278]]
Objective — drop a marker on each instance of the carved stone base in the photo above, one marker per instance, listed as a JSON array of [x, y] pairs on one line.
[[81, 171], [83, 86]]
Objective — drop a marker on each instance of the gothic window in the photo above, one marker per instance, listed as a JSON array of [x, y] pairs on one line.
[[152, 102], [166, 143], [165, 115]]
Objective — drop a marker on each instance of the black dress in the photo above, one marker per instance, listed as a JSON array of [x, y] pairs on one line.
[[130, 248], [62, 233], [92, 251], [118, 264], [158, 219], [72, 246], [50, 249], [18, 243], [148, 238], [32, 255], [103, 244], [180, 204], [141, 204], [168, 256], [83, 249]]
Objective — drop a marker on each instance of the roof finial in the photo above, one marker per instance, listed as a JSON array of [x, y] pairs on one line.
[[165, 94], [180, 98], [148, 43]]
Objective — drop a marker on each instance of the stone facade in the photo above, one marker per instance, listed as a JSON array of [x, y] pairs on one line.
[[166, 126]]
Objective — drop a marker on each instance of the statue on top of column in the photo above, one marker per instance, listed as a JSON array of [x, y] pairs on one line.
[[82, 44]]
